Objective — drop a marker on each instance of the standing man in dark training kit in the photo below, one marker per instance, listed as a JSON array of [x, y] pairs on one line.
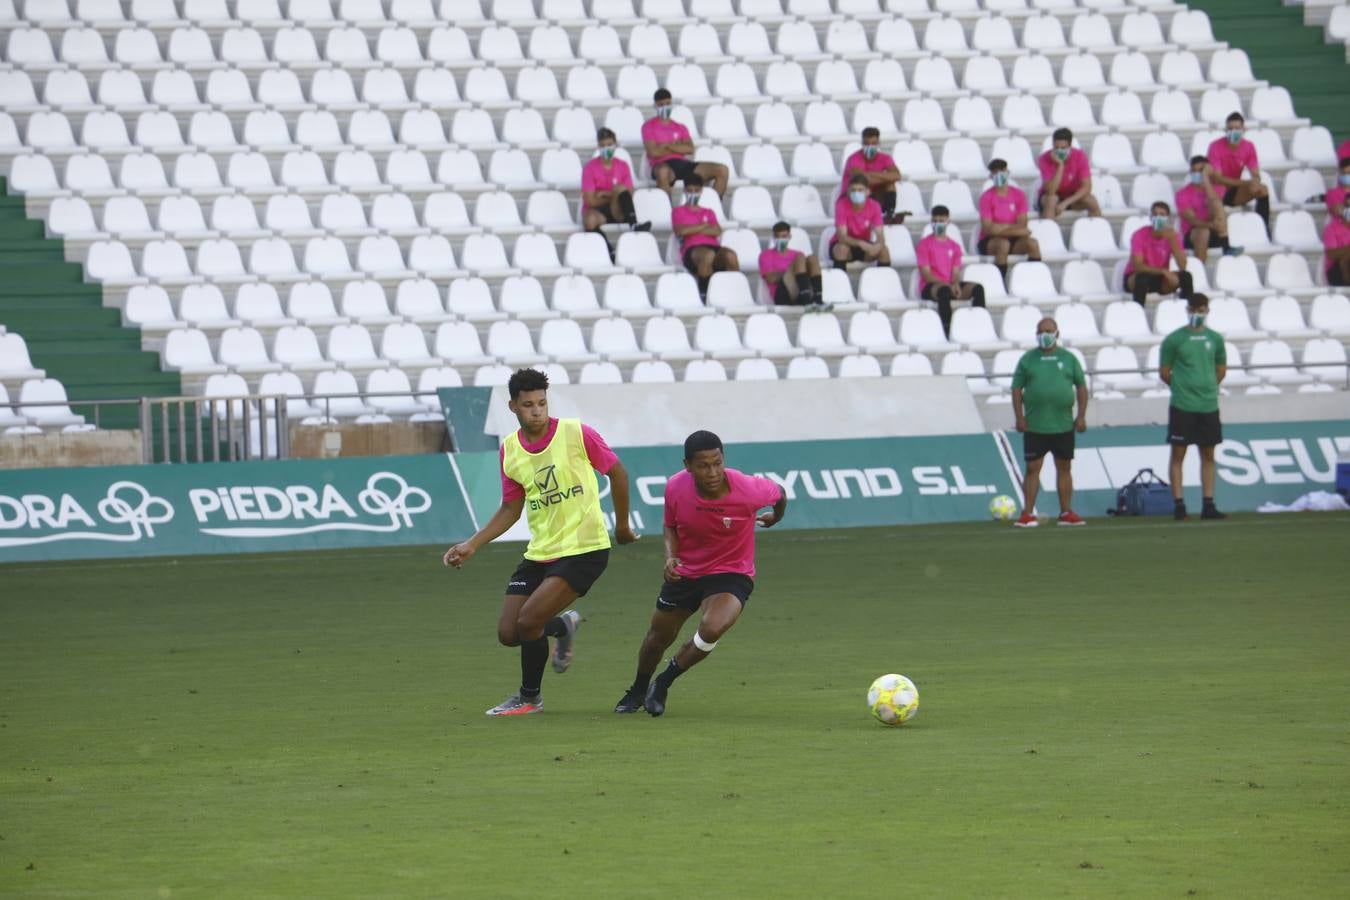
[[710, 519], [548, 467]]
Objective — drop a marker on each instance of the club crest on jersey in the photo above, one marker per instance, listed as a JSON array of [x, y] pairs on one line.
[[726, 522]]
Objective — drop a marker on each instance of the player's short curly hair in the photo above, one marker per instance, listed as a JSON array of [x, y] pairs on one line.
[[700, 441], [523, 380]]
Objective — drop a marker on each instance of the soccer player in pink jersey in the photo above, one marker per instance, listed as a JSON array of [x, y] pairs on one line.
[[1229, 156], [699, 234], [1204, 222], [1336, 236], [607, 188], [939, 259], [710, 519], [879, 169], [548, 463], [669, 146], [1151, 248], [1066, 178], [792, 277], [1003, 220], [860, 228]]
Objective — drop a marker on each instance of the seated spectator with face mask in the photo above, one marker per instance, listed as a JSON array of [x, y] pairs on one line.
[[792, 277], [860, 234]]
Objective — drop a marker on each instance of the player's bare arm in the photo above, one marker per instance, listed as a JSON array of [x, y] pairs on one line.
[[505, 516], [774, 515], [672, 540], [618, 487]]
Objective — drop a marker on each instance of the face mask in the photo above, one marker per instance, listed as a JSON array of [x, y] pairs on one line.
[[1345, 179], [1047, 339], [939, 228], [1000, 179], [1234, 135], [780, 244], [607, 153], [1196, 320], [691, 199], [664, 112], [1062, 154], [870, 151], [1196, 178], [1159, 223], [857, 196]]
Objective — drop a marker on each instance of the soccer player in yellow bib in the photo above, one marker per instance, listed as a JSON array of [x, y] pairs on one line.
[[548, 468]]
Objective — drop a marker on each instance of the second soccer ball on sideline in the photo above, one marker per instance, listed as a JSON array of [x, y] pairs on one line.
[[893, 700], [1003, 508]]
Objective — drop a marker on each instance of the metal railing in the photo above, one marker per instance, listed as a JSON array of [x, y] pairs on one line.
[[214, 429]]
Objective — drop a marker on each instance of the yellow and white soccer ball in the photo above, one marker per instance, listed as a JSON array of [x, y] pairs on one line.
[[1003, 508], [893, 700]]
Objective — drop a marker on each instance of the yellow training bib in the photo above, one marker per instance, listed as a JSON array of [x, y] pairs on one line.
[[562, 494]]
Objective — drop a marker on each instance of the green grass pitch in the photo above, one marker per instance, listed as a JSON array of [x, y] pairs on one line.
[[1132, 709]]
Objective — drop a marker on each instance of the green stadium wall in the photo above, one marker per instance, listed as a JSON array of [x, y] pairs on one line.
[[299, 505]]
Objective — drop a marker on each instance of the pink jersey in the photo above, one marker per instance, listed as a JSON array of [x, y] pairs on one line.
[[717, 536], [682, 215], [857, 162], [1336, 197], [597, 451], [1156, 249], [858, 224], [663, 131], [1192, 197], [1077, 170], [942, 255], [1002, 209], [1229, 161], [596, 176], [772, 262], [1337, 234]]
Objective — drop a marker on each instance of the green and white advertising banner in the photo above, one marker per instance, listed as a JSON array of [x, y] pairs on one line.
[[165, 510], [242, 507], [1255, 463]]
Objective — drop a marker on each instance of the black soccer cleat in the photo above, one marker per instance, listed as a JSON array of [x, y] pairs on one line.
[[631, 702], [655, 704], [1179, 512], [1212, 512]]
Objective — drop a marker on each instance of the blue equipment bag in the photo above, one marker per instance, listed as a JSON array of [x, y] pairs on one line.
[[1145, 495]]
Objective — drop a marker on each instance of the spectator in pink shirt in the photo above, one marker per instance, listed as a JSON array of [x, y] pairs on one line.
[[1066, 178], [711, 513], [939, 259], [669, 147], [1336, 237], [699, 234], [607, 188], [1229, 156], [860, 228], [1204, 222], [1151, 248], [1003, 220], [881, 173], [793, 277]]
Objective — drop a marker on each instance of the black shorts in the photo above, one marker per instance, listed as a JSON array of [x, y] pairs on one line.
[[1214, 239], [982, 246], [688, 260], [689, 593], [682, 168], [856, 254], [1035, 445], [1186, 428], [1335, 277], [1230, 197], [579, 571]]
